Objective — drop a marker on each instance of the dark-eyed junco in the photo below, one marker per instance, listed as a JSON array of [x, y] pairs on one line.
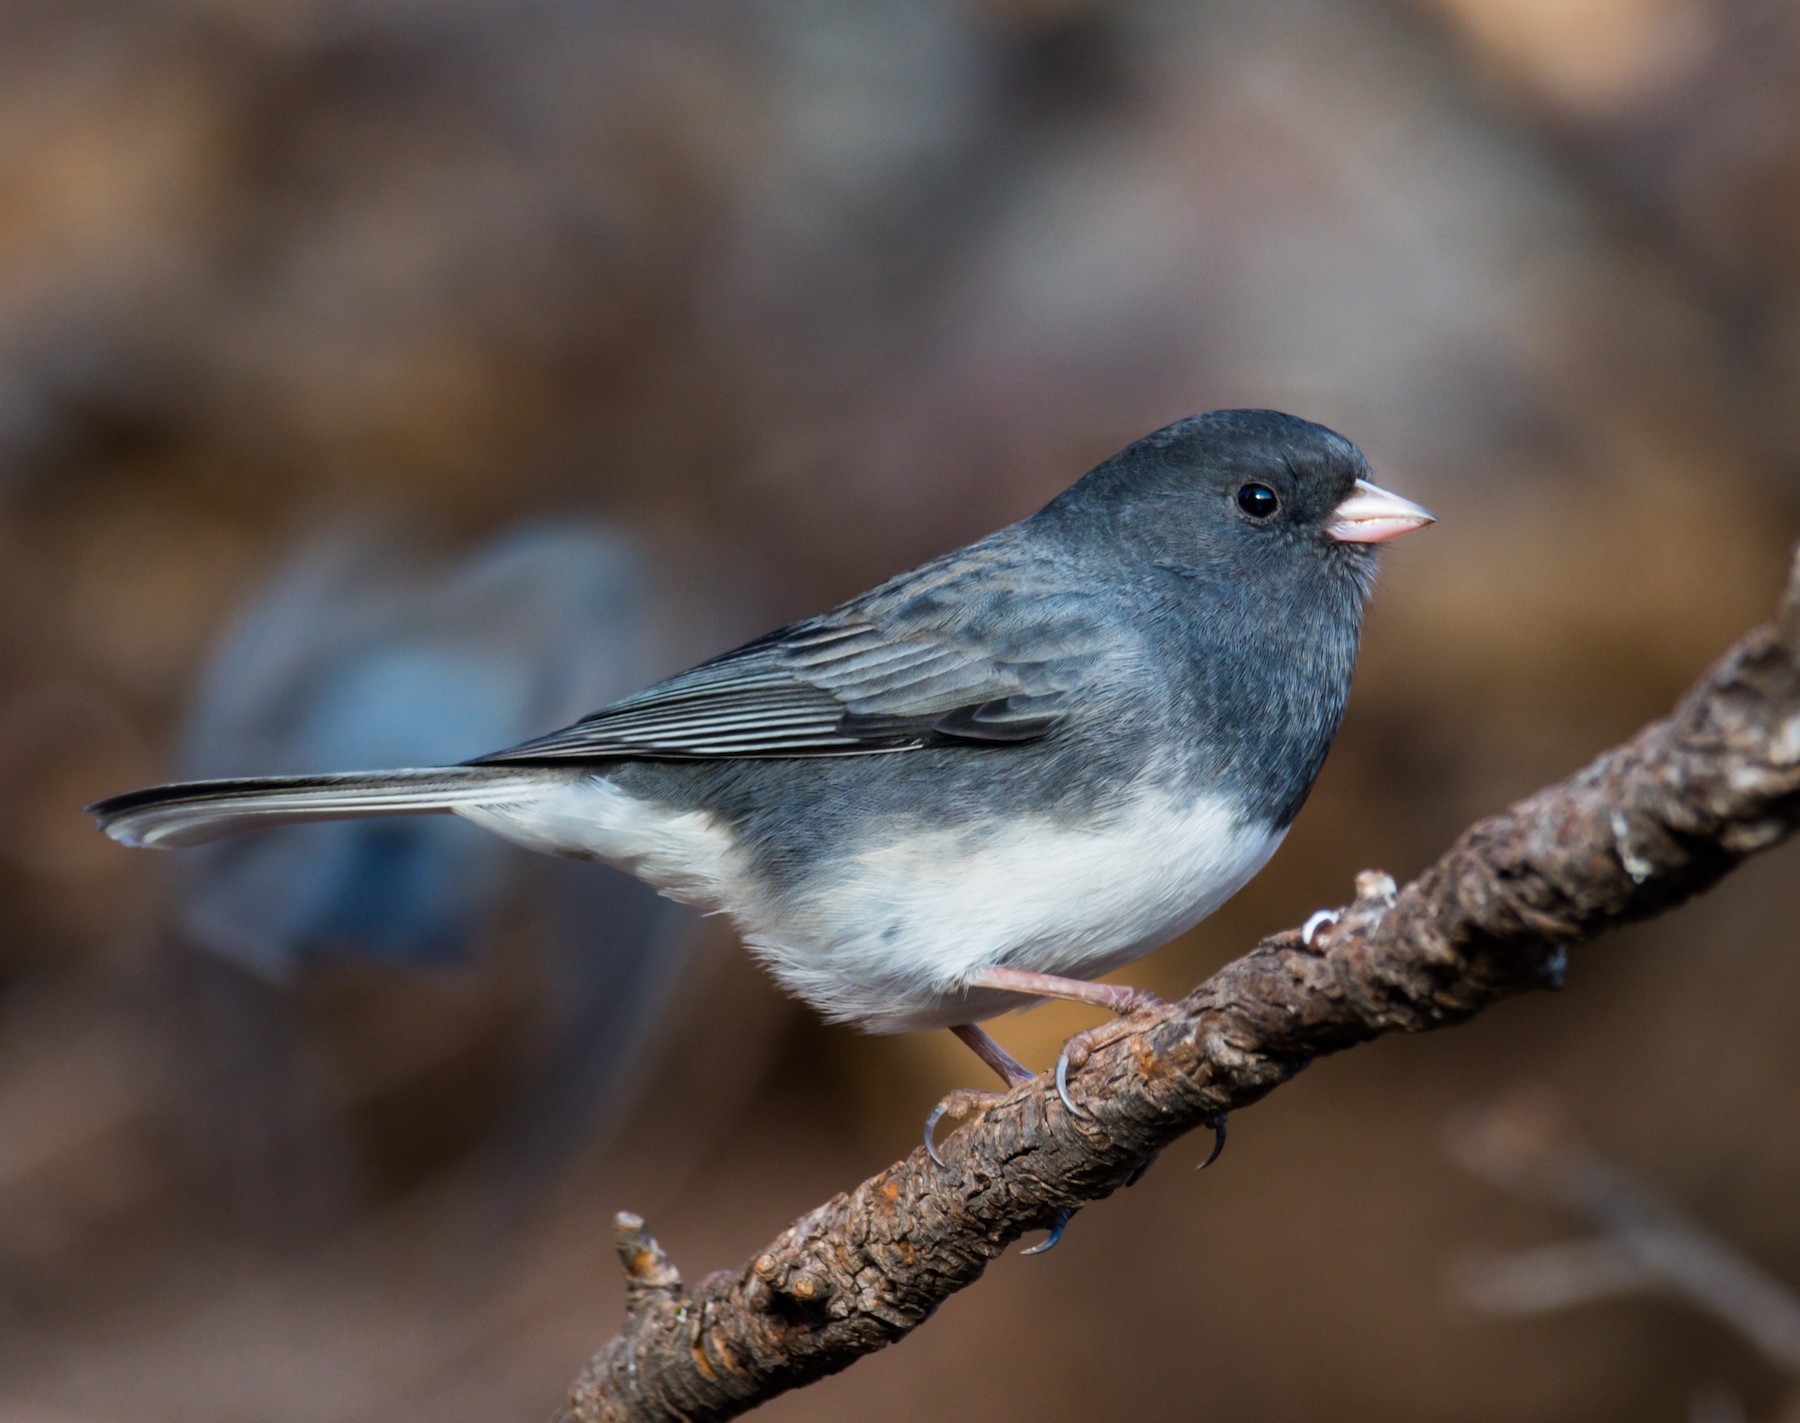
[[986, 781]]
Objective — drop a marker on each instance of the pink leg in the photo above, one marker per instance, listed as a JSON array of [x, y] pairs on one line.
[[1113, 997], [1012, 1071], [966, 1101], [1110, 996]]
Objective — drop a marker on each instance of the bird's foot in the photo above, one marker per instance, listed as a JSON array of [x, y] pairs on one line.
[[1317, 922], [1114, 997], [964, 1102], [1078, 1049], [1057, 1226], [1074, 1055], [1218, 1130]]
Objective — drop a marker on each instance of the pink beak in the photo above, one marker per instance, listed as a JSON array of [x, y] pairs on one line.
[[1371, 514]]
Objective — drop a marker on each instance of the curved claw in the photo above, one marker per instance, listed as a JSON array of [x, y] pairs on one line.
[[936, 1116], [1062, 1085], [963, 1102], [1218, 1126], [1319, 920], [1057, 1227]]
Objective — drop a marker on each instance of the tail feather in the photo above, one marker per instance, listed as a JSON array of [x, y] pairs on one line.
[[193, 812]]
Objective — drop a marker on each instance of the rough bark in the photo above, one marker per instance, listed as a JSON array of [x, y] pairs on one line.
[[1647, 825]]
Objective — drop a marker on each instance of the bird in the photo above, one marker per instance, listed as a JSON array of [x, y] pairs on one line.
[[985, 782]]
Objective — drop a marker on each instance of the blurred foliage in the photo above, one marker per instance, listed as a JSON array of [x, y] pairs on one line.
[[804, 292]]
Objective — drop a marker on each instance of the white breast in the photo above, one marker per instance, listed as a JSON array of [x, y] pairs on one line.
[[888, 938], [885, 937]]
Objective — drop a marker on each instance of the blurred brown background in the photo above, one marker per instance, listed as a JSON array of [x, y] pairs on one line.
[[801, 293]]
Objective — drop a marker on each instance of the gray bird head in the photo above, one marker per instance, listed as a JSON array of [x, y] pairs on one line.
[[1237, 494]]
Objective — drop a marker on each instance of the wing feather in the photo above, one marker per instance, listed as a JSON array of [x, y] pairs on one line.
[[980, 647]]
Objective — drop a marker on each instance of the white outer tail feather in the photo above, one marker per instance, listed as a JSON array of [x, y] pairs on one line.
[[194, 812]]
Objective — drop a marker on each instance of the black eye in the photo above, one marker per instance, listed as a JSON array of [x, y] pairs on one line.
[[1257, 500]]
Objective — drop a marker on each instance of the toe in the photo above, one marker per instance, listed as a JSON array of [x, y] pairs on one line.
[[957, 1105], [1057, 1226], [1062, 1078], [937, 1115], [1218, 1129]]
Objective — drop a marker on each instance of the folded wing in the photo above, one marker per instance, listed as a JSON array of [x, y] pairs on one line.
[[942, 654]]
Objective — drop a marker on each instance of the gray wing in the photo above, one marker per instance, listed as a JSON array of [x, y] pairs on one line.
[[981, 649]]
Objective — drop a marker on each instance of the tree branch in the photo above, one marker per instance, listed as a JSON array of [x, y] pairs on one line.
[[1649, 824]]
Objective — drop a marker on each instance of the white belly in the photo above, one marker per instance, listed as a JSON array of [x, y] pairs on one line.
[[885, 938], [886, 942]]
